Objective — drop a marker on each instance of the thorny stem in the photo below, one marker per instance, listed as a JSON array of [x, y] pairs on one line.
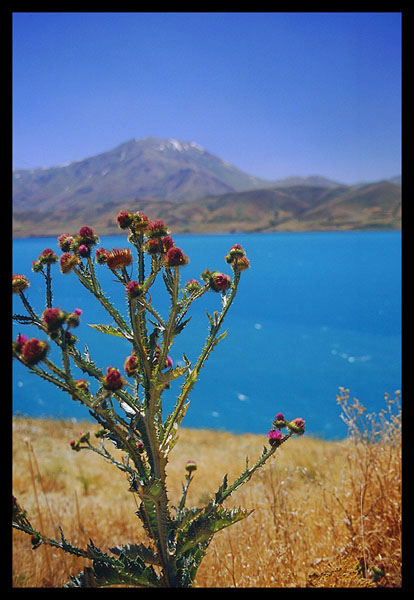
[[192, 376]]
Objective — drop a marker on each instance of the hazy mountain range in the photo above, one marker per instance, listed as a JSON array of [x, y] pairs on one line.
[[193, 191]]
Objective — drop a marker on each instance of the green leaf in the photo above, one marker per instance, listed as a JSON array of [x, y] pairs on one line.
[[167, 376], [221, 490], [212, 519], [110, 330], [135, 551], [180, 326]]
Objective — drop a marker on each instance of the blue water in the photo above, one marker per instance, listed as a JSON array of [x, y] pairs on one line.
[[314, 312]]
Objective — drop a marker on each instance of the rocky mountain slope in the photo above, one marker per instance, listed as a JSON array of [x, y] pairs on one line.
[[193, 191]]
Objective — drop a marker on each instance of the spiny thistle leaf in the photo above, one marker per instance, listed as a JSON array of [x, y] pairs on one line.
[[110, 330], [137, 551], [213, 518]]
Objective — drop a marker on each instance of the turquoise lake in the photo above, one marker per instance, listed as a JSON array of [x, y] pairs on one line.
[[315, 311]]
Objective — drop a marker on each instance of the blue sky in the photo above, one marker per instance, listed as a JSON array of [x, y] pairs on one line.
[[275, 94]]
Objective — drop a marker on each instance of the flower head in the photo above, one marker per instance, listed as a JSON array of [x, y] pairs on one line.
[[241, 264], [116, 259], [296, 425], [156, 228], [175, 257], [124, 219], [68, 261], [48, 257], [190, 466], [140, 222], [113, 380], [19, 283], [153, 246], [84, 251], [235, 251], [72, 319], [20, 340], [192, 286], [82, 384], [87, 234], [279, 421], [133, 289], [167, 243], [218, 282], [84, 241], [275, 437], [100, 256], [37, 266], [64, 241], [33, 351], [237, 258], [53, 318], [131, 365]]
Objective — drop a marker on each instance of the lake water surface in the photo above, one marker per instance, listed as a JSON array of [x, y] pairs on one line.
[[314, 312]]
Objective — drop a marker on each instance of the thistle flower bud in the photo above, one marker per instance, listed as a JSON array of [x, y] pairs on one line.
[[113, 380], [296, 426], [100, 256], [37, 266], [64, 241], [235, 251], [124, 219], [237, 258], [175, 257], [101, 433], [84, 241], [74, 445], [33, 351], [84, 251], [131, 365], [82, 385], [192, 286], [167, 243], [279, 421], [153, 246], [275, 437], [48, 257], [140, 222], [133, 289], [156, 229], [190, 466], [68, 261], [53, 318], [218, 282], [18, 343], [19, 283], [72, 319], [87, 235], [241, 264]]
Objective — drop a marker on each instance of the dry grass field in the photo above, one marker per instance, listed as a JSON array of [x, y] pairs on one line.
[[319, 507]]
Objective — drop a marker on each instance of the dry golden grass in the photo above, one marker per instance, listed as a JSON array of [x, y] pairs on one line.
[[319, 506]]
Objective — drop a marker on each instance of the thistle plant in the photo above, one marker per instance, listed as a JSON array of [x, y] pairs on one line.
[[127, 402]]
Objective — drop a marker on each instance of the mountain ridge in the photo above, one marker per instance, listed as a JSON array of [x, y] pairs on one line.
[[193, 191]]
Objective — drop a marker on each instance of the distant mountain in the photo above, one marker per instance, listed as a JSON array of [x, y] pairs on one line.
[[313, 180], [298, 208], [150, 167], [193, 191]]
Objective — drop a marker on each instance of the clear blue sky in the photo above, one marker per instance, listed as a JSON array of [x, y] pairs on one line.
[[275, 94]]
